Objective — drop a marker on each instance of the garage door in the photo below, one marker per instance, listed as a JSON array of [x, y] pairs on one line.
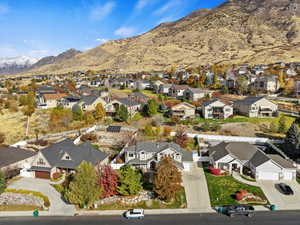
[[287, 176], [268, 176], [42, 174]]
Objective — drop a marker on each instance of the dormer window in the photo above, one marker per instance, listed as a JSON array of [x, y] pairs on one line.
[[66, 157], [41, 162]]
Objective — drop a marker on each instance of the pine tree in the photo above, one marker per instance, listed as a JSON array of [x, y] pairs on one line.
[[108, 181], [100, 112], [2, 182], [293, 136], [152, 108], [84, 190], [167, 181], [129, 181]]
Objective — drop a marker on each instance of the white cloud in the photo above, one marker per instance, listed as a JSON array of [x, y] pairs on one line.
[[125, 31], [101, 40], [38, 53], [169, 5], [3, 9], [142, 4], [102, 11]]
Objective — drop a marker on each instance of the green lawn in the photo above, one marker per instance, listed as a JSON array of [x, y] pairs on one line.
[[179, 202], [298, 180], [222, 189], [18, 207]]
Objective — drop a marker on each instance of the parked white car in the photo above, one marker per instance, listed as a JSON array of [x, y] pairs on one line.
[[134, 214]]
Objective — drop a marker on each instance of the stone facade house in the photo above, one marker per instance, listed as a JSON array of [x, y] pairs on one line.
[[183, 111], [147, 155], [217, 109], [65, 157], [256, 107]]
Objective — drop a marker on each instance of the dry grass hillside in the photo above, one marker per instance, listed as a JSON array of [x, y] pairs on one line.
[[238, 31]]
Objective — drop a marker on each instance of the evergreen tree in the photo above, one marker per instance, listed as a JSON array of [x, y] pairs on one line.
[[122, 113], [100, 112], [167, 181], [108, 180], [129, 181], [293, 136], [151, 108], [283, 124], [84, 190], [148, 130], [2, 182], [77, 113]]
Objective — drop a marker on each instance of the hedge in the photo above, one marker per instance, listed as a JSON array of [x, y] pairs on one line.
[[35, 193]]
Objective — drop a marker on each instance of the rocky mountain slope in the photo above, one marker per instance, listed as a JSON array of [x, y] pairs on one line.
[[238, 31], [16, 64]]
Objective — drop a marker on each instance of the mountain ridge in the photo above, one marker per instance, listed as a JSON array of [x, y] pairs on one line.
[[237, 31]]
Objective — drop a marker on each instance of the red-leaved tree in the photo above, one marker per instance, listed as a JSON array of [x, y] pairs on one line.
[[108, 181]]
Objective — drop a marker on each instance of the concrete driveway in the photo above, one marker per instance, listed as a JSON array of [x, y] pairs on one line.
[[57, 205], [196, 190], [283, 202]]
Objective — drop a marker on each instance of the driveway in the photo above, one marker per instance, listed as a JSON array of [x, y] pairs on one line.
[[196, 190], [283, 202], [57, 205]]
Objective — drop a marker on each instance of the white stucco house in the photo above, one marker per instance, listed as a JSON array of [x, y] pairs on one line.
[[216, 109], [247, 158]]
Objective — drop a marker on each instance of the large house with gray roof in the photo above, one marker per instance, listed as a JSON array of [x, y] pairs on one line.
[[147, 155], [65, 157], [248, 159], [255, 107]]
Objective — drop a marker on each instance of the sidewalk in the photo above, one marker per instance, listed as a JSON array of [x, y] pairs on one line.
[[238, 177]]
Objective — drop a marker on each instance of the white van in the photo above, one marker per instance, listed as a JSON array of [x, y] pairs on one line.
[[134, 214]]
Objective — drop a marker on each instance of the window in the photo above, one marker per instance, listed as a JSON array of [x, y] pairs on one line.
[[41, 161], [67, 157], [130, 154]]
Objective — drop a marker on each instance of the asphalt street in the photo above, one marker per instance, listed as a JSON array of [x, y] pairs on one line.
[[261, 218]]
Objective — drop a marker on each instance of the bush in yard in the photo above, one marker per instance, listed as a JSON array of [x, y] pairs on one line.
[[215, 171], [240, 195], [89, 137], [56, 176], [129, 181], [181, 138]]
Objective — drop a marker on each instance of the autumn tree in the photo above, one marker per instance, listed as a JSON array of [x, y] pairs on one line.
[[28, 111], [181, 138], [60, 117], [84, 189], [167, 180], [150, 109], [108, 181], [100, 112], [129, 181], [88, 118], [148, 130], [242, 85]]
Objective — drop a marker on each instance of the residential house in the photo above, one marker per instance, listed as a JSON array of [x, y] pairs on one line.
[[89, 103], [132, 106], [247, 159], [65, 157], [142, 84], [267, 83], [139, 97], [48, 101], [256, 107], [155, 85], [194, 94], [69, 101], [12, 159], [217, 109], [164, 89], [147, 155], [46, 90], [177, 91], [183, 110]]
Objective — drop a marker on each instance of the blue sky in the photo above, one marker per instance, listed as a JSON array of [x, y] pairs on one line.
[[48, 27]]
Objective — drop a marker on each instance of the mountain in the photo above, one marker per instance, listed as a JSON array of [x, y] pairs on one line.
[[16, 64], [55, 59], [238, 31]]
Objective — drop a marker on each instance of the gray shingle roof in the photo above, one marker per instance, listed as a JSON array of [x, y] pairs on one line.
[[128, 102], [250, 100], [89, 100], [160, 146], [10, 155], [77, 153], [281, 161], [259, 158]]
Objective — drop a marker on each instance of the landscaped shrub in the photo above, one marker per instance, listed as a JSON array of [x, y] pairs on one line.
[[35, 193], [240, 195], [56, 176], [215, 171]]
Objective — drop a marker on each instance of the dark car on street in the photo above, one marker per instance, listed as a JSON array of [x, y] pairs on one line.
[[243, 210], [285, 189]]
